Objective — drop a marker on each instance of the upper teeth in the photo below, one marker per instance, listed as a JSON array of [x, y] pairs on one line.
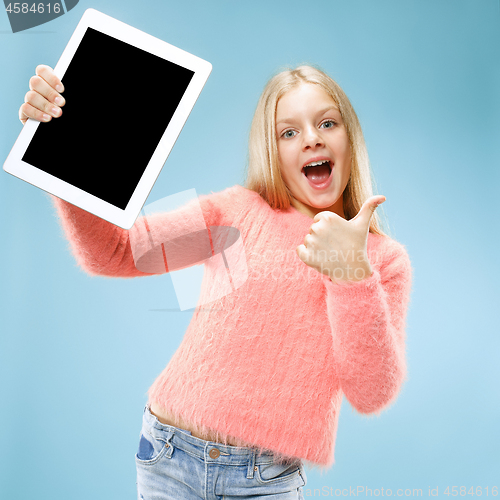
[[316, 163]]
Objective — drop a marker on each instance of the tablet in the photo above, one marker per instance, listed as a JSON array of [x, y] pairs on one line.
[[128, 95]]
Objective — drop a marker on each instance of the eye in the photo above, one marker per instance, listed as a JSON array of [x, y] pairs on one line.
[[288, 134], [328, 124]]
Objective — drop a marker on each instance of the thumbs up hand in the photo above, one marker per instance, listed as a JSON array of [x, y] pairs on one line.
[[337, 247]]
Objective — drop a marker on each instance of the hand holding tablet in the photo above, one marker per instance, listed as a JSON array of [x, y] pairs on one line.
[[106, 165], [44, 100]]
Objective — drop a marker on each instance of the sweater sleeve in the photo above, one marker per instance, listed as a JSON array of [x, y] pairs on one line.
[[156, 244], [368, 325]]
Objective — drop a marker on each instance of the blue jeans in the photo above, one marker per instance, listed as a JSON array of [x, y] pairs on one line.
[[174, 465]]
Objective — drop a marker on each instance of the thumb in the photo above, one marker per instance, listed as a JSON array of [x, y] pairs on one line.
[[365, 213]]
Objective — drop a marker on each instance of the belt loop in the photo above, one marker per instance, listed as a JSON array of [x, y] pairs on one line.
[[251, 465], [169, 445]]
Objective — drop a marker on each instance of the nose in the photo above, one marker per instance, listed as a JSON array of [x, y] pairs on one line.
[[312, 138]]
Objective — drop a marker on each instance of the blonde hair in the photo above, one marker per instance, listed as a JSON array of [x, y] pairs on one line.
[[263, 171]]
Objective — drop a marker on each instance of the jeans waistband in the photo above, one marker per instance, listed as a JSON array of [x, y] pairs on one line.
[[209, 451]]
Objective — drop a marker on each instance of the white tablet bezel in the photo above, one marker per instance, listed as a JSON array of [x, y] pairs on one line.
[[121, 31]]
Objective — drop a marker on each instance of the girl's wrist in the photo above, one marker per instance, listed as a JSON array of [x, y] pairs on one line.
[[351, 274]]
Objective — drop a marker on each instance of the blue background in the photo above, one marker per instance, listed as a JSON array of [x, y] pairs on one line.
[[77, 354]]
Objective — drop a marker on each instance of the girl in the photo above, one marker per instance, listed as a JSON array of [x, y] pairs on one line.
[[316, 309]]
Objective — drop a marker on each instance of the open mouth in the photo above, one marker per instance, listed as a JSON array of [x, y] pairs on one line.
[[318, 172]]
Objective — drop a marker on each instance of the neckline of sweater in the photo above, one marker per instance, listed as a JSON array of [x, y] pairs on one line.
[[292, 211]]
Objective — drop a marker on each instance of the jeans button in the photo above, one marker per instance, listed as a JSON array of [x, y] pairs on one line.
[[214, 453]]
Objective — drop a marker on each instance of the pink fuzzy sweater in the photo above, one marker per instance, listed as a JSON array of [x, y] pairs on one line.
[[266, 364]]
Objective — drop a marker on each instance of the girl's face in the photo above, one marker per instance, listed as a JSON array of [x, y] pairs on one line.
[[313, 148]]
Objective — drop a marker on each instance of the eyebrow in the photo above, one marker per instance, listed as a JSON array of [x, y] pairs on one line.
[[322, 112]]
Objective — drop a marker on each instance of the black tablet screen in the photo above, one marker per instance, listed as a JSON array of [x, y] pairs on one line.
[[119, 102]]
